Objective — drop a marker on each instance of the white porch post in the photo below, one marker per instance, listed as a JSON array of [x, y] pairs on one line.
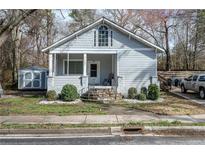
[[68, 64], [50, 64], [84, 64]]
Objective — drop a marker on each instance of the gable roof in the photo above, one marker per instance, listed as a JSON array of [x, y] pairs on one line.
[[104, 21]]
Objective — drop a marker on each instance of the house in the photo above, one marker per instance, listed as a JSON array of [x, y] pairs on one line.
[[102, 55]]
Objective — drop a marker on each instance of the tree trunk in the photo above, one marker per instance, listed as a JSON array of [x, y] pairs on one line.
[[195, 44], [16, 38], [168, 56]]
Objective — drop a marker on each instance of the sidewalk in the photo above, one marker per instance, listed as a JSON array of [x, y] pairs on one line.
[[97, 119]]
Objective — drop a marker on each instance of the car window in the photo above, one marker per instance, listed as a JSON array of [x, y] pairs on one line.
[[189, 78], [195, 77], [202, 78]]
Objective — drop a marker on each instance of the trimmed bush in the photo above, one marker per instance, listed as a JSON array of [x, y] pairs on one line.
[[132, 93], [153, 92], [69, 93], [141, 97], [144, 91], [51, 95]]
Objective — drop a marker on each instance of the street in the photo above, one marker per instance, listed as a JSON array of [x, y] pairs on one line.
[[104, 140]]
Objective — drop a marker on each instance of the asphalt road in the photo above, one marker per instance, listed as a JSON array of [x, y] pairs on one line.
[[106, 140]]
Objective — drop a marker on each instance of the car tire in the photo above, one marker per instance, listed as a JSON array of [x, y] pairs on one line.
[[183, 89], [202, 93]]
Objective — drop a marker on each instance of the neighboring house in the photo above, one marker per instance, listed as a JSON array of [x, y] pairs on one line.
[[102, 54]]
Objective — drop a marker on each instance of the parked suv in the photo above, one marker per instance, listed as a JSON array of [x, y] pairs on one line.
[[195, 83]]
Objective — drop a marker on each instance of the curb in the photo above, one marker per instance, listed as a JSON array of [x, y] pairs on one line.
[[158, 128], [91, 130]]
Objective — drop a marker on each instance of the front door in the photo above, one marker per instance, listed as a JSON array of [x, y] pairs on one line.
[[94, 72]]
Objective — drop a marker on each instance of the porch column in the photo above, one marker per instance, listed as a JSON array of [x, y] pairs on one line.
[[50, 64], [85, 64], [54, 67], [68, 64], [84, 77]]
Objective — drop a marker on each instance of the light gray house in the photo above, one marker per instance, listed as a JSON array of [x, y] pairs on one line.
[[102, 55]]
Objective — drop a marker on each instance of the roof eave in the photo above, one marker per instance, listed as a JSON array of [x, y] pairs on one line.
[[109, 22]]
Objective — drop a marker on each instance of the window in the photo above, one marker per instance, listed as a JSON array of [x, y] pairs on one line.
[[32, 79], [93, 70], [28, 80], [190, 77], [103, 36], [36, 75], [36, 79], [28, 75], [75, 67], [202, 78], [111, 38], [195, 77], [94, 38]]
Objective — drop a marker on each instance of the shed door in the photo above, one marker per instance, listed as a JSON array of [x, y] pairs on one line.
[[27, 79], [32, 79]]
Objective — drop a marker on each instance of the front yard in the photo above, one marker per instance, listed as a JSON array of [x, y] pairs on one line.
[[29, 105], [171, 105]]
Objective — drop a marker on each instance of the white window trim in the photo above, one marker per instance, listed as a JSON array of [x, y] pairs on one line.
[[80, 60], [108, 30], [32, 79]]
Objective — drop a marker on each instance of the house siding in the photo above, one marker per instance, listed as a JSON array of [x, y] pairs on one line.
[[136, 68], [57, 82], [86, 41]]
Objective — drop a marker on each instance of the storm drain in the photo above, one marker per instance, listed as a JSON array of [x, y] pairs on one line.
[[133, 130]]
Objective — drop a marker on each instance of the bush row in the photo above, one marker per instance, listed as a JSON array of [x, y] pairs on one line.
[[152, 93]]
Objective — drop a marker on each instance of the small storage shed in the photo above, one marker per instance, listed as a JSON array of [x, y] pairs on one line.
[[33, 78]]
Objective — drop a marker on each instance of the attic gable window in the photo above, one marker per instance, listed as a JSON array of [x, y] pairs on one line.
[[103, 36]]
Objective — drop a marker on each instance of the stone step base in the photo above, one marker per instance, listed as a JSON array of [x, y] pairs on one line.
[[101, 94]]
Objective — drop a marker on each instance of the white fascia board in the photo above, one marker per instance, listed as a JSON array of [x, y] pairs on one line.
[[99, 50], [84, 51]]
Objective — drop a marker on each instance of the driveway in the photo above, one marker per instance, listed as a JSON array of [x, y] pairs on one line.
[[193, 96]]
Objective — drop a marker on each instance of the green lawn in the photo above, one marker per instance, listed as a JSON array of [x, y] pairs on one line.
[[28, 105]]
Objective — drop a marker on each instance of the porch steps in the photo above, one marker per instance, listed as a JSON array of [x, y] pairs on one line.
[[97, 94]]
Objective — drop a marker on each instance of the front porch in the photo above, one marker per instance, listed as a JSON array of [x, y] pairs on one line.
[[84, 70]]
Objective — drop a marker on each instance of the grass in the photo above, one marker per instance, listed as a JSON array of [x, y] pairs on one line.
[[172, 105], [130, 124], [30, 106]]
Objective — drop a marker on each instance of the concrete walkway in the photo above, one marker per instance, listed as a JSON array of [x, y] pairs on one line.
[[97, 119]]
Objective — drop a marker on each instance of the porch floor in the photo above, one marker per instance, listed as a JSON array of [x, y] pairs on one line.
[[99, 87]]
